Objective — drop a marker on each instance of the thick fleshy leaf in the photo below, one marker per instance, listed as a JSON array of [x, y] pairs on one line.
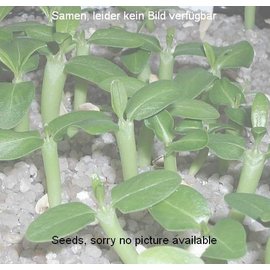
[[185, 209], [92, 68], [118, 98], [67, 22], [4, 11], [150, 43], [239, 116], [15, 100], [235, 56], [260, 110], [144, 190], [194, 109], [192, 82], [15, 145], [190, 48], [41, 32], [151, 99], [14, 54], [162, 125], [116, 37], [167, 255], [224, 92], [135, 60], [227, 146], [210, 54], [188, 125], [132, 85], [92, 122], [231, 240], [193, 141], [252, 205], [61, 221]]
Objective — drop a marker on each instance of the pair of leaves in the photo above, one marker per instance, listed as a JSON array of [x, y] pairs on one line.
[[15, 100]]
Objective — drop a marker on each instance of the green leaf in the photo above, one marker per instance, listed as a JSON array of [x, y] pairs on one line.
[[150, 43], [40, 32], [15, 100], [231, 240], [186, 125], [92, 68], [260, 111], [4, 11], [194, 109], [193, 141], [167, 255], [185, 209], [210, 54], [5, 35], [118, 98], [190, 48], [226, 146], [132, 85], [14, 54], [224, 92], [31, 64], [116, 37], [92, 122], [14, 145], [61, 221], [162, 125], [135, 60], [235, 56], [252, 205], [70, 24], [239, 116], [151, 99], [192, 82], [144, 190]]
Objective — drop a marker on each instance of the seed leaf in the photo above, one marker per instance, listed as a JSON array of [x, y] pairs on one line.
[[61, 221], [239, 116], [194, 109], [162, 125], [190, 48], [144, 190], [231, 240], [193, 141], [68, 25], [15, 145], [135, 60], [118, 98], [150, 43], [210, 54], [252, 205], [167, 255], [116, 37], [15, 100], [92, 68], [185, 209], [226, 146], [187, 125], [4, 11], [260, 111], [92, 122], [192, 82], [132, 85], [151, 99], [224, 92]]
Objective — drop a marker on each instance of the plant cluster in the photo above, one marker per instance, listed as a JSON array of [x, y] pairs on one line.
[[192, 109]]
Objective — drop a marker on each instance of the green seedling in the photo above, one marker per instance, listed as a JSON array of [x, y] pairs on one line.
[[167, 201], [15, 145]]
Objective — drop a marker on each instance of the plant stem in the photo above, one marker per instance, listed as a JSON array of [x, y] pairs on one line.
[[250, 175], [81, 86], [127, 148], [145, 146], [150, 25], [24, 123], [198, 161], [170, 162], [111, 226], [52, 88], [166, 65], [267, 252], [52, 171], [250, 13]]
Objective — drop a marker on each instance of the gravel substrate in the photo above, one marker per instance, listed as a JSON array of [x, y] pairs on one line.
[[21, 181]]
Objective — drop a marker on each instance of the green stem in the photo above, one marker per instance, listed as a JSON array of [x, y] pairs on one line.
[[198, 161], [81, 86], [111, 226], [170, 162], [24, 123], [145, 146], [127, 148], [250, 175], [150, 25], [250, 14], [52, 88], [166, 65], [267, 252], [52, 171]]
